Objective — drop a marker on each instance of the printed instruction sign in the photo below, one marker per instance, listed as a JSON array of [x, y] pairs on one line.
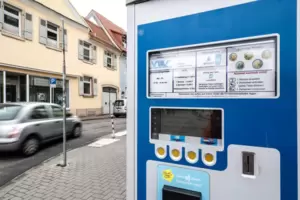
[[242, 70]]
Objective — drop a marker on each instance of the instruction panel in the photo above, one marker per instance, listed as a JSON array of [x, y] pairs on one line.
[[242, 70]]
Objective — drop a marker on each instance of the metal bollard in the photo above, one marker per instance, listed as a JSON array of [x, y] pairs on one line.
[[113, 126]]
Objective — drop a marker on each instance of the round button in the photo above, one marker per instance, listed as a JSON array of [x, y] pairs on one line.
[[208, 157], [176, 153], [161, 151], [192, 155]]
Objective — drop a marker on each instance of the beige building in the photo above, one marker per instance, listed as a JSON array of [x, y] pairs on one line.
[[31, 38]]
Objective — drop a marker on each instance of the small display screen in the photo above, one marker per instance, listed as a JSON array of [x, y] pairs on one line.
[[203, 126], [172, 193]]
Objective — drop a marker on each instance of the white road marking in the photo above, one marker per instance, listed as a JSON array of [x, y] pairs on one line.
[[103, 142], [122, 133], [106, 141]]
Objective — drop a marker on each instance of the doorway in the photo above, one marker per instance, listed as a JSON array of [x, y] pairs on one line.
[[109, 96]]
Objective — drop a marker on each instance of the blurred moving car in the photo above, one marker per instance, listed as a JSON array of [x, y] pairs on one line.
[[26, 126], [120, 108]]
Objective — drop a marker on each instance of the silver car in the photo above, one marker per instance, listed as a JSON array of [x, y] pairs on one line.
[[120, 108], [26, 126]]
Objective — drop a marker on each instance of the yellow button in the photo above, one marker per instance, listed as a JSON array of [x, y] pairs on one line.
[[161, 151], [208, 157], [175, 153], [192, 155]]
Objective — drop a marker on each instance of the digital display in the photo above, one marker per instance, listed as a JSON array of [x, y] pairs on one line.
[[202, 125], [230, 70]]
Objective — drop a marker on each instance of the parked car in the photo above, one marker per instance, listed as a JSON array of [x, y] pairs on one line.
[[26, 126], [120, 108]]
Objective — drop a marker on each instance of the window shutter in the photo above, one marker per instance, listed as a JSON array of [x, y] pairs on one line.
[[94, 54], [63, 40], [28, 26], [81, 86], [80, 50], [114, 61], [95, 87], [1, 14], [66, 39], [105, 59], [43, 32]]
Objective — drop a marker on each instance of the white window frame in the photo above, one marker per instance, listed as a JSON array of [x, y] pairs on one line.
[[87, 48], [53, 31], [87, 82], [110, 55], [19, 17]]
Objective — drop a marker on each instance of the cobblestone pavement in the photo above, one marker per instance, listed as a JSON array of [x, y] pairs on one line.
[[92, 173]]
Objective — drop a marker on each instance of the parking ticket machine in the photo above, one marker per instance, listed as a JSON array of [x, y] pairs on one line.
[[212, 100]]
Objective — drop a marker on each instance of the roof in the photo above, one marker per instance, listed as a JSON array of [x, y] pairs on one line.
[[99, 33], [65, 8], [114, 31]]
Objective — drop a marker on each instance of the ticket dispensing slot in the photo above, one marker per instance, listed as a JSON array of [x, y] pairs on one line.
[[173, 193]]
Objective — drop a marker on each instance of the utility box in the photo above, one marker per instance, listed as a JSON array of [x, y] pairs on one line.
[[212, 100]]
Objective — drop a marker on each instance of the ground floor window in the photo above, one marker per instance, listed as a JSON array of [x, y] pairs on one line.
[[39, 89], [1, 87], [57, 93]]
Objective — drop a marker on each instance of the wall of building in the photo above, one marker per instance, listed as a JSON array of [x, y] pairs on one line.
[[34, 55]]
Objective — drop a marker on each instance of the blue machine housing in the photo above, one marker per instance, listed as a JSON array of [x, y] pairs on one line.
[[268, 123]]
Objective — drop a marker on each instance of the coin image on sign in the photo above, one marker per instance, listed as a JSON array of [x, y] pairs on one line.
[[248, 56], [257, 64], [233, 57], [240, 65], [266, 54]]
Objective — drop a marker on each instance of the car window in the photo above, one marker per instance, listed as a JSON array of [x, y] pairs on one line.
[[57, 111], [119, 103], [39, 112], [9, 112]]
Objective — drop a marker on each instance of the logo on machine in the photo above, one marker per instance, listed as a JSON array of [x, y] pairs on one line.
[[160, 64], [168, 175]]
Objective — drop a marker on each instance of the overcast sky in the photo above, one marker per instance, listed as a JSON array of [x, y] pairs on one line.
[[114, 10]]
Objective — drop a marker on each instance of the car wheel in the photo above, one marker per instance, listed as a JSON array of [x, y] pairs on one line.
[[77, 131], [30, 146]]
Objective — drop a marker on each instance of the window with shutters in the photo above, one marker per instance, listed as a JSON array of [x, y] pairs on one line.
[[12, 20], [110, 60], [87, 52]]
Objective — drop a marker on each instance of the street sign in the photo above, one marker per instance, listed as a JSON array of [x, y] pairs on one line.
[[53, 82], [213, 98]]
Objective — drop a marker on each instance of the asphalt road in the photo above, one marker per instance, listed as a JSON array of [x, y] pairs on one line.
[[13, 164]]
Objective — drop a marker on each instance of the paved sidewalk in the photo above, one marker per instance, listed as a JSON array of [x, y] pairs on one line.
[[92, 173]]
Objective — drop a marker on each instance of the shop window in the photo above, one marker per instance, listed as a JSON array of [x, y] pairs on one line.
[[1, 87], [57, 93], [12, 18], [39, 89], [110, 60]]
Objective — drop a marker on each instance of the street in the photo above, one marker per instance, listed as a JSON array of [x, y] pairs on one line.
[[13, 164]]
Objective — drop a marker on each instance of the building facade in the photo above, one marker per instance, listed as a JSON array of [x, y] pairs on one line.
[[117, 38], [32, 36]]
